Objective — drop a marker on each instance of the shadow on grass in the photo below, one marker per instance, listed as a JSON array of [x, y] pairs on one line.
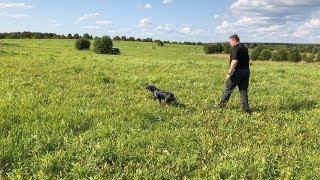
[[287, 105], [298, 105]]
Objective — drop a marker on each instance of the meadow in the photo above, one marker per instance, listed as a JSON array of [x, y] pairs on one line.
[[75, 114]]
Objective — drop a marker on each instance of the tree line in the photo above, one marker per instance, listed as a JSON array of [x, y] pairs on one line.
[[272, 51], [258, 51], [40, 35]]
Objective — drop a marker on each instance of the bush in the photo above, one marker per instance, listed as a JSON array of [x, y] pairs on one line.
[[76, 36], [226, 48], [255, 53], [280, 55], [265, 55], [69, 36], [213, 48], [123, 38], [304, 56], [294, 55], [87, 36], [83, 44], [315, 49], [117, 38], [147, 40], [103, 45], [160, 43], [310, 58], [275, 56], [317, 57], [131, 39], [283, 54]]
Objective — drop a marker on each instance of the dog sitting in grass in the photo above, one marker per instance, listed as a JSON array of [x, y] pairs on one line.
[[159, 95]]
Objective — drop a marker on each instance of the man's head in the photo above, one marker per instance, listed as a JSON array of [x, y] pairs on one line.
[[234, 40]]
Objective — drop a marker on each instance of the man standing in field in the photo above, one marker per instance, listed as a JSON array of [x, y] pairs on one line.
[[238, 74]]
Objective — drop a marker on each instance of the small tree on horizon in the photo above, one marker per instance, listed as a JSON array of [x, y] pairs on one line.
[[103, 45]]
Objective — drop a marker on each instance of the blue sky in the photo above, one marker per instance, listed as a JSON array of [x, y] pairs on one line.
[[174, 20]]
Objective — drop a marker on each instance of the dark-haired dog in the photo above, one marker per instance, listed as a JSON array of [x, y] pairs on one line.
[[159, 95]]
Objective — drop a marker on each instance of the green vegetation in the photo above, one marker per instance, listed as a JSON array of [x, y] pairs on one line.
[[160, 43], [265, 55], [83, 44], [213, 48], [69, 114], [103, 45]]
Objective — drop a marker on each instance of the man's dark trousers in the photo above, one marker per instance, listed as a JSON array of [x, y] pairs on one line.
[[240, 78]]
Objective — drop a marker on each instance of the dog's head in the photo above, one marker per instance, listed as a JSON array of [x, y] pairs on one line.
[[151, 88]]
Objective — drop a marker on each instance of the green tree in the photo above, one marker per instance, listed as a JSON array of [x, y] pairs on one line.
[[265, 55], [255, 53], [69, 36], [123, 38], [294, 55], [315, 49], [87, 36], [160, 43], [226, 48], [76, 36], [304, 56], [83, 44], [117, 38], [283, 54], [275, 56], [310, 58], [103, 45], [317, 59], [213, 48]]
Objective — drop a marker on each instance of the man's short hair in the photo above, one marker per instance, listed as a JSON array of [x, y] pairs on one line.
[[235, 37]]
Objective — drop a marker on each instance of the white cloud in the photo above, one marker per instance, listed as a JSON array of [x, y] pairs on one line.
[[14, 5], [147, 6], [85, 17], [225, 27], [191, 30], [167, 1], [149, 33], [14, 16], [166, 28], [307, 28], [126, 29], [91, 27], [145, 23], [103, 22], [56, 25], [216, 16], [271, 19], [186, 30], [275, 11]]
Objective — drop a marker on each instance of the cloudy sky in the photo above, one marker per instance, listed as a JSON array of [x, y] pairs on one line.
[[174, 20]]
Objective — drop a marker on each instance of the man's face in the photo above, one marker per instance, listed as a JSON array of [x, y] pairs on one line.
[[232, 42]]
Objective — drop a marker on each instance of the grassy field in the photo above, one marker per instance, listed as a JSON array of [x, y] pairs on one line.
[[75, 114]]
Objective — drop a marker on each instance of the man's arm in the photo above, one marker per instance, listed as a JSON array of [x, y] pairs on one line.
[[233, 65]]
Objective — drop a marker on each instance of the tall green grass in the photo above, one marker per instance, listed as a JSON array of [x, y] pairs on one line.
[[76, 114]]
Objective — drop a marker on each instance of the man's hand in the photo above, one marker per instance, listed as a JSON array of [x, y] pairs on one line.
[[233, 65], [228, 76]]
